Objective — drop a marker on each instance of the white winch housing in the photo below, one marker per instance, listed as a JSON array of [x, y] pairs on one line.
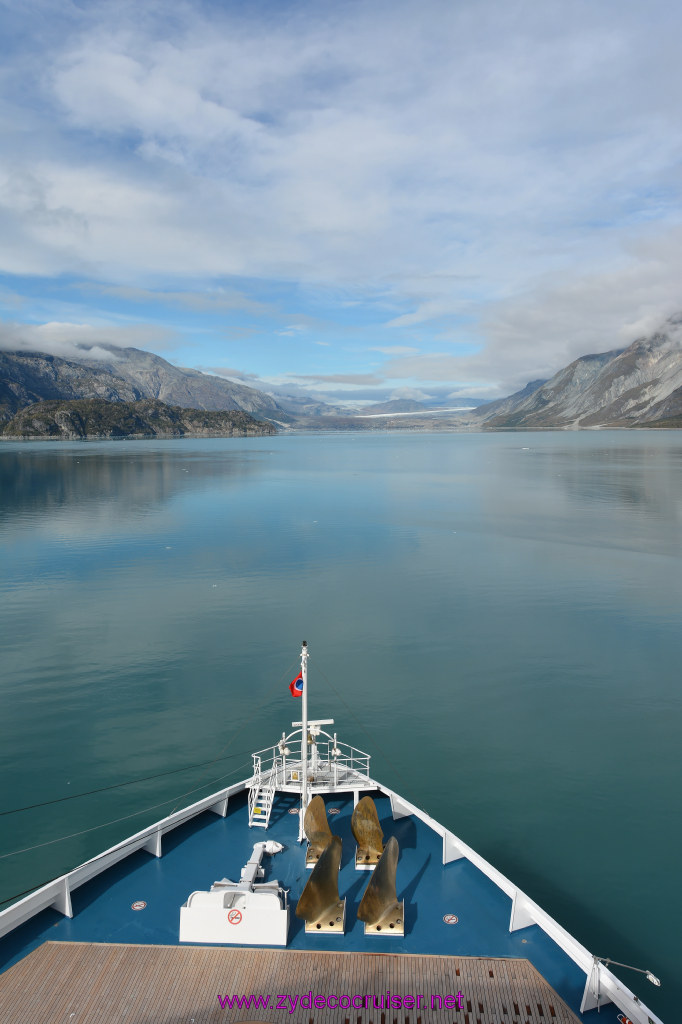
[[246, 912]]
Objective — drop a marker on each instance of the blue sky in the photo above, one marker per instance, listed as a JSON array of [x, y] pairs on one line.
[[349, 198]]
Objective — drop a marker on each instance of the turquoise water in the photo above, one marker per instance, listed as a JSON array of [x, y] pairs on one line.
[[497, 618]]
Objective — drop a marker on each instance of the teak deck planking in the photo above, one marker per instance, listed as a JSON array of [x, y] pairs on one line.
[[93, 983]]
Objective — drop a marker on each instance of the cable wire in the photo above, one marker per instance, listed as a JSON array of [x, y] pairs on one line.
[[119, 785], [115, 821], [93, 860], [73, 835]]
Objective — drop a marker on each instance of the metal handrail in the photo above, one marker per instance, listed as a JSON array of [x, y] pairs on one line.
[[269, 760], [254, 785]]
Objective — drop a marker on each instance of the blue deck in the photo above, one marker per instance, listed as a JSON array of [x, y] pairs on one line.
[[208, 848]]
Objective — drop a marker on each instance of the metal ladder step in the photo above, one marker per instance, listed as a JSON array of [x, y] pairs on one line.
[[262, 797]]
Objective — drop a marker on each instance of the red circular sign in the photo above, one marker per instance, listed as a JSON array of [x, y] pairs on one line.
[[450, 918], [138, 905], [234, 916]]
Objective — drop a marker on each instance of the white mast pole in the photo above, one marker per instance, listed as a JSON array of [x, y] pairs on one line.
[[304, 738]]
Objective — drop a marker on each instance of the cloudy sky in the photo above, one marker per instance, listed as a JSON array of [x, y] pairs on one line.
[[414, 197]]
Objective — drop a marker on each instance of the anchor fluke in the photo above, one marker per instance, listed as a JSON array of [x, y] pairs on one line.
[[319, 905], [316, 828], [380, 908], [368, 834]]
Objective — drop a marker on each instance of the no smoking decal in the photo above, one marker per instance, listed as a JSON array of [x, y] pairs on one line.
[[234, 917]]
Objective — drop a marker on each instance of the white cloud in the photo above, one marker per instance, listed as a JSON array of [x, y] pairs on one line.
[[228, 371], [292, 330], [340, 378], [499, 175], [561, 317], [77, 340], [415, 394], [394, 350], [210, 300]]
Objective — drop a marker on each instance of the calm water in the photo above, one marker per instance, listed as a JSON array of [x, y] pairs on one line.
[[498, 618]]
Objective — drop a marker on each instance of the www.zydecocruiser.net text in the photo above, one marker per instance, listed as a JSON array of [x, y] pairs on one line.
[[385, 1001]]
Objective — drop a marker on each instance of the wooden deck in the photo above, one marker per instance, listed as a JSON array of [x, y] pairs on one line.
[[86, 983]]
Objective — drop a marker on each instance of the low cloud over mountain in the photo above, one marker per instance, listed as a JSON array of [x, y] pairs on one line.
[[639, 384]]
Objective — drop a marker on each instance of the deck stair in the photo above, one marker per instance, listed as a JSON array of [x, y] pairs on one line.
[[262, 795]]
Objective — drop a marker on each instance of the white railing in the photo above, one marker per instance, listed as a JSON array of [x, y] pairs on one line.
[[268, 789], [526, 912], [349, 758], [57, 893], [347, 764], [263, 763], [254, 784]]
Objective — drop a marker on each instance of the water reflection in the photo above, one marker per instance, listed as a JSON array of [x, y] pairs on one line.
[[621, 498], [643, 478], [48, 479], [510, 604]]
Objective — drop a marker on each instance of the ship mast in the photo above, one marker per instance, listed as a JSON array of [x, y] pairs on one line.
[[304, 738]]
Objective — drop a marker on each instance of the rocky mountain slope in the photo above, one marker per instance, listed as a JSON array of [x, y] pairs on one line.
[[625, 387], [503, 406], [96, 418], [129, 375]]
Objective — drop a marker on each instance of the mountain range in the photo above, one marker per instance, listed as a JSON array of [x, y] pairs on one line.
[[633, 386], [129, 375], [637, 385]]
